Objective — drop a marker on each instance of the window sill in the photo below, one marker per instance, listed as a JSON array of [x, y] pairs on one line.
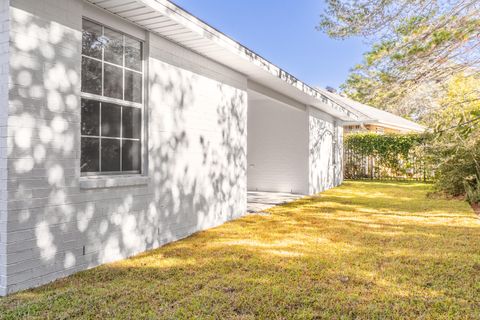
[[101, 182]]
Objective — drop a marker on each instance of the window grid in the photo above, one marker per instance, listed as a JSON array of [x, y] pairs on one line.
[[123, 98], [123, 67], [100, 133], [111, 64], [121, 134], [101, 137], [120, 102]]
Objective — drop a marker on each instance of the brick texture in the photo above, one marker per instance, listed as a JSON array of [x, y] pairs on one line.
[[4, 68], [325, 157], [195, 122]]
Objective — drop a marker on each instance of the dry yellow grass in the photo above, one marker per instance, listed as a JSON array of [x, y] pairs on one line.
[[363, 250]]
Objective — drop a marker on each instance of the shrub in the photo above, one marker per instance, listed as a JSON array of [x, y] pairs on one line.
[[454, 146], [370, 155]]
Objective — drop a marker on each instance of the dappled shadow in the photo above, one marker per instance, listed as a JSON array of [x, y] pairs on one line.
[[325, 154], [301, 259], [331, 255], [196, 156], [43, 144]]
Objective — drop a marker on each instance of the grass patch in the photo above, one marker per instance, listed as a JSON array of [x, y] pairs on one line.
[[362, 250]]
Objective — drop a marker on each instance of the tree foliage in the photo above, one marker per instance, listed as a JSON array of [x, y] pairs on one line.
[[388, 146], [385, 155], [424, 63], [455, 143], [417, 45]]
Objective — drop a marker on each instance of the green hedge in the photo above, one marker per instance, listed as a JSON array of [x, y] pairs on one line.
[[369, 144], [388, 156]]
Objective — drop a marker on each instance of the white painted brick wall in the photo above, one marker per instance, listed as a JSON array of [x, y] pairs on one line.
[[324, 172], [4, 68], [277, 147], [290, 149], [197, 117], [339, 167]]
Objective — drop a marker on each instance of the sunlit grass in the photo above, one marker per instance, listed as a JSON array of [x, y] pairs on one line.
[[363, 250]]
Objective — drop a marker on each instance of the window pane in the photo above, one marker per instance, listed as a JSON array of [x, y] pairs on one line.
[[131, 155], [90, 117], [113, 82], [113, 47], [92, 39], [111, 120], [89, 155], [131, 123], [110, 155], [91, 76], [133, 86], [133, 54]]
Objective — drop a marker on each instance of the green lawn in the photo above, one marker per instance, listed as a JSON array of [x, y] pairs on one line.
[[363, 250]]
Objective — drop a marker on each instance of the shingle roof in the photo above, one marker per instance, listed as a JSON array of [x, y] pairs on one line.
[[368, 114]]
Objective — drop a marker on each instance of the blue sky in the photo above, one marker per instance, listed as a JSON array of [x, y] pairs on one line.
[[283, 32]]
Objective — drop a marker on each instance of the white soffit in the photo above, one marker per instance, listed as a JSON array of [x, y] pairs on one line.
[[170, 21]]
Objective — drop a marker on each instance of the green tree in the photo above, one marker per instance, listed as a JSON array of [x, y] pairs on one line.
[[424, 63], [455, 145], [416, 47]]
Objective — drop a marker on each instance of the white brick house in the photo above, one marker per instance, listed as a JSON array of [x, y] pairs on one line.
[[127, 124]]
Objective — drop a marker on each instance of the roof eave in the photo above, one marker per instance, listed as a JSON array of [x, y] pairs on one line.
[[386, 125], [194, 34]]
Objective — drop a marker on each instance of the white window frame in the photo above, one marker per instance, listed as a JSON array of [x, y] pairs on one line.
[[120, 102]]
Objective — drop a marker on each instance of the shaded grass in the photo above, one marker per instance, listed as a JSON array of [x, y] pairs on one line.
[[362, 250]]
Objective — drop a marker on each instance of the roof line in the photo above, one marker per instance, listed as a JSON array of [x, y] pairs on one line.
[[169, 5], [191, 15], [340, 102], [246, 61]]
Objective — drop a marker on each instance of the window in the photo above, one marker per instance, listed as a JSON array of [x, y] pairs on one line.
[[112, 101]]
